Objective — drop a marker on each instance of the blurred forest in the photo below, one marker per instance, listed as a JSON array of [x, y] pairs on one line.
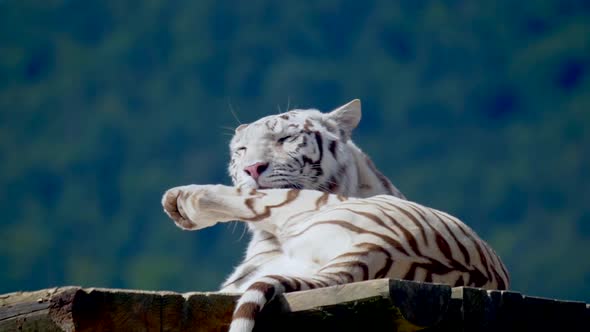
[[477, 108]]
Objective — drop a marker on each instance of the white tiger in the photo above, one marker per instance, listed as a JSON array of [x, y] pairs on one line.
[[326, 239], [305, 238]]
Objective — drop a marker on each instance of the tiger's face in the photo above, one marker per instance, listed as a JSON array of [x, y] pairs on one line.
[[302, 149]]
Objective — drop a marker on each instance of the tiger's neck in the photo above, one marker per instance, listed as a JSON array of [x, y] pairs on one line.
[[362, 178]]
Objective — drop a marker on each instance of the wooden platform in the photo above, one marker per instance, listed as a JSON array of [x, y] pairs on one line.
[[376, 305]]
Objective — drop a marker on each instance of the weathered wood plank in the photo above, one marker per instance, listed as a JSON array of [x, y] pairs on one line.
[[374, 305], [207, 312], [28, 311], [96, 309]]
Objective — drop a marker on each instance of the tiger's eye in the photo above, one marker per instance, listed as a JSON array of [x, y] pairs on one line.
[[283, 139]]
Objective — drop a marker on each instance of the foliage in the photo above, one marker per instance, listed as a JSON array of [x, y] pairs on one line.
[[476, 108]]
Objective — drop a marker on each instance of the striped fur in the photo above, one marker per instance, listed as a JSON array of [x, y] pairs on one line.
[[303, 149], [321, 239]]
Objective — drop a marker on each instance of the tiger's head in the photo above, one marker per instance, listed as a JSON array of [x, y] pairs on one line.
[[303, 149]]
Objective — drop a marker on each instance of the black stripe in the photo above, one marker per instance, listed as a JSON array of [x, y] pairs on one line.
[[370, 216], [384, 271], [318, 138], [476, 243], [265, 288], [462, 248], [460, 282], [408, 236], [407, 214], [441, 242], [345, 224], [332, 148], [349, 264], [291, 196], [247, 310], [414, 220], [284, 282]]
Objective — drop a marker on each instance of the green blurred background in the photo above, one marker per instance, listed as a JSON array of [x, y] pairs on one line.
[[478, 108]]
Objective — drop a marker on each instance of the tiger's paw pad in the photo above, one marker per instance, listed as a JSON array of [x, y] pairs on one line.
[[171, 201]]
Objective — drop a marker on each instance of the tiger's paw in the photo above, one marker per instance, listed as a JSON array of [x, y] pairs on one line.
[[183, 205]]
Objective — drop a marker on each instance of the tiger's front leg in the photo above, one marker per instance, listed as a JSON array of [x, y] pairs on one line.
[[195, 207], [199, 206]]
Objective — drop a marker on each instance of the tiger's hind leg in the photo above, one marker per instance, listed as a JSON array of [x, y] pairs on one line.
[[265, 289], [360, 264]]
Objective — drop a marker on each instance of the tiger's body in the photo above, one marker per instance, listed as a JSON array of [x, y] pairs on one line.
[[328, 239]]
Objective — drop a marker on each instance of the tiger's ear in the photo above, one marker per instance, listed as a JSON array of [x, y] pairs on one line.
[[347, 116], [242, 126]]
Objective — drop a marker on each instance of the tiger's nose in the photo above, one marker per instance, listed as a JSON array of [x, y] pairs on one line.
[[256, 169]]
